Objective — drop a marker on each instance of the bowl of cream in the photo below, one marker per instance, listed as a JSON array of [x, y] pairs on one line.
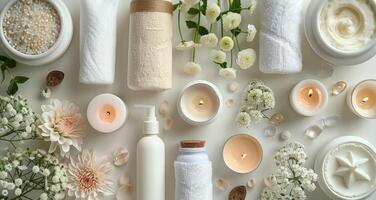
[[342, 32]]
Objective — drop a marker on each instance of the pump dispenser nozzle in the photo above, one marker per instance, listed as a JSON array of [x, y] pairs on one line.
[[151, 125]]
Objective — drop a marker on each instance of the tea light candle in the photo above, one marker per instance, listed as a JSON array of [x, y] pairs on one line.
[[200, 103], [309, 97], [242, 153], [106, 113], [362, 99]]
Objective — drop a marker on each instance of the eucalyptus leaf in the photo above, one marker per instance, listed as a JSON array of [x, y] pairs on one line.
[[236, 6], [12, 88], [21, 79], [236, 31], [204, 6], [193, 11], [10, 63]]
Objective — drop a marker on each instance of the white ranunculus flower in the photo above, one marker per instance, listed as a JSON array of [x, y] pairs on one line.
[[228, 73], [251, 29], [243, 119], [231, 20], [210, 40], [218, 56], [246, 58], [226, 43], [192, 68], [212, 12], [190, 2], [187, 45]]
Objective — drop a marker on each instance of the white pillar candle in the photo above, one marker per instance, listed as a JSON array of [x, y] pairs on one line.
[[309, 97], [106, 113], [200, 103], [362, 99]]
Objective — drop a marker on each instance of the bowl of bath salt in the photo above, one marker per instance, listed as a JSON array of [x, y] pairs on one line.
[[35, 32]]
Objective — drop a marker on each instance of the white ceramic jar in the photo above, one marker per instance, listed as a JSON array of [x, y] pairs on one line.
[[322, 47], [58, 49]]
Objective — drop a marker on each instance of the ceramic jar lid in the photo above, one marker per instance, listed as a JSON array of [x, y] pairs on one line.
[[346, 168]]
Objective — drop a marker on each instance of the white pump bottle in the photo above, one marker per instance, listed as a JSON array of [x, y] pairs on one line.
[[150, 160]]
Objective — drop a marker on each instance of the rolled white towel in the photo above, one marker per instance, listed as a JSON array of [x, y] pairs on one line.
[[98, 41], [280, 37], [193, 181]]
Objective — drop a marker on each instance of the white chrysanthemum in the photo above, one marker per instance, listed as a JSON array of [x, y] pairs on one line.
[[228, 73], [246, 58], [89, 177], [251, 32], [62, 125], [218, 56], [212, 12], [252, 7], [243, 119], [187, 45], [226, 43], [192, 68], [190, 2], [210, 40], [231, 20]]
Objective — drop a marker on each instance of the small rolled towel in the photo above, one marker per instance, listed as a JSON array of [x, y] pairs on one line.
[[193, 181], [98, 41], [280, 37]]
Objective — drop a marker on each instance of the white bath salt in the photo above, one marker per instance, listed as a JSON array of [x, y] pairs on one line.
[[31, 26]]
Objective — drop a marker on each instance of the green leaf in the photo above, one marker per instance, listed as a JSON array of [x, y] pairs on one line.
[[236, 31], [176, 6], [193, 11], [236, 6], [223, 65], [21, 79], [204, 6], [4, 58], [12, 88], [10, 63], [203, 31], [191, 24]]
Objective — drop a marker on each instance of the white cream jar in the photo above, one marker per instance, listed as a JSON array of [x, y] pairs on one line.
[[342, 32]]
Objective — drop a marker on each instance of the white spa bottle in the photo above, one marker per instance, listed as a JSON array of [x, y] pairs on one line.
[[150, 160]]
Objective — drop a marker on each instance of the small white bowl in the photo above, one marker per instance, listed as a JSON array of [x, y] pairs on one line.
[[326, 51], [58, 49], [208, 85]]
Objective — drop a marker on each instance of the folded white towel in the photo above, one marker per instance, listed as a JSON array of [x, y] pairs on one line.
[[280, 37], [193, 181], [98, 41]]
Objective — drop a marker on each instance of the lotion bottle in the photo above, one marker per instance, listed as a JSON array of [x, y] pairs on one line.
[[150, 160]]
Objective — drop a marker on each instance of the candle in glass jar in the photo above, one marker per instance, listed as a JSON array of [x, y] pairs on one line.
[[200, 103], [242, 153], [106, 113], [362, 99], [309, 97]]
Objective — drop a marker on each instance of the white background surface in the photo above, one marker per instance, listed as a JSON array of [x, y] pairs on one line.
[[218, 132]]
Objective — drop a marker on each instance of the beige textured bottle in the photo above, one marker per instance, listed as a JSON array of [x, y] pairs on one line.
[[150, 45]]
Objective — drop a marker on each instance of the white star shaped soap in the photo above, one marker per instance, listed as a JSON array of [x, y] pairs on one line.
[[349, 169]]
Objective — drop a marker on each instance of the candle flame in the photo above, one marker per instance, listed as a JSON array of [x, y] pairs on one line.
[[310, 93], [365, 99], [244, 155]]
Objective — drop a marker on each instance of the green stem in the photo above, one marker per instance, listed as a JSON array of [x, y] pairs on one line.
[[179, 27], [219, 4], [196, 34], [231, 58], [237, 42], [211, 27]]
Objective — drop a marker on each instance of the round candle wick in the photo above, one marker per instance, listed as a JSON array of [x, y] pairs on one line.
[[310, 93], [365, 99], [244, 155], [201, 102]]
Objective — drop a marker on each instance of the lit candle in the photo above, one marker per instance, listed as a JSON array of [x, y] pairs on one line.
[[200, 103], [362, 99], [106, 113], [242, 153], [309, 97]]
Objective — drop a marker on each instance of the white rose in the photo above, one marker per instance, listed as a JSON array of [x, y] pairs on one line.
[[18, 182], [218, 56], [209, 40], [212, 12], [192, 68], [251, 29], [246, 58], [226, 43], [228, 73], [187, 45], [190, 2], [231, 20]]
